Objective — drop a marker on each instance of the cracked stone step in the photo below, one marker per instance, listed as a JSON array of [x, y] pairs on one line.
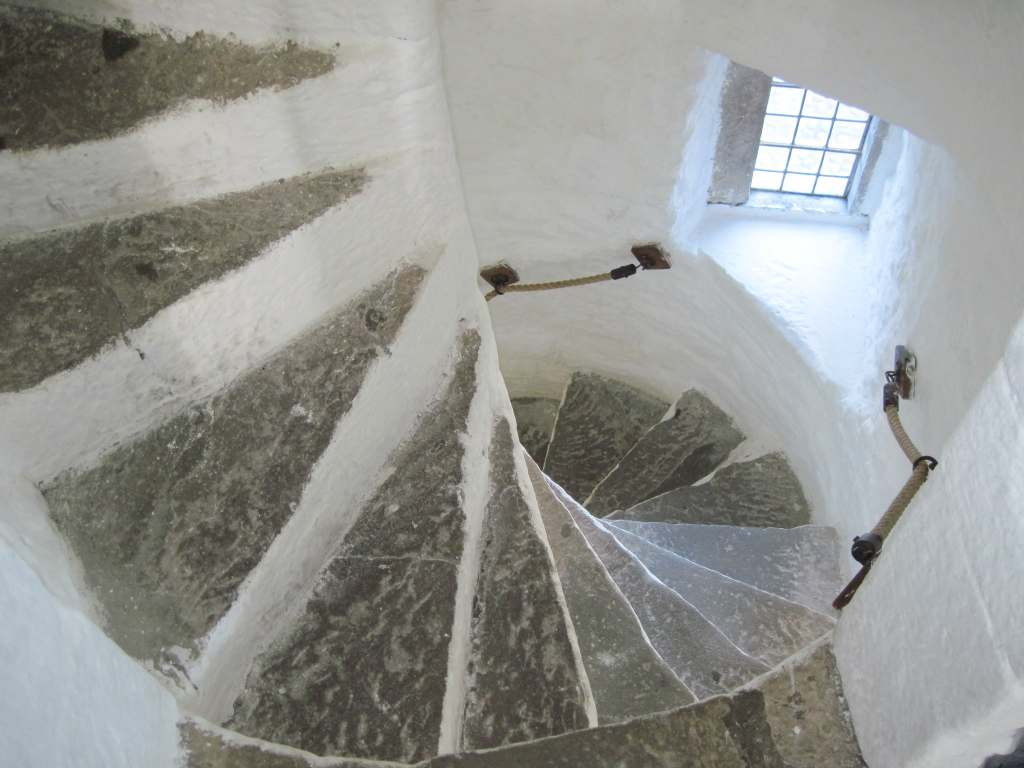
[[535, 418], [362, 670], [798, 564], [67, 80], [696, 650], [523, 681], [763, 492], [168, 527], [761, 624], [67, 294], [598, 421], [675, 452], [627, 676]]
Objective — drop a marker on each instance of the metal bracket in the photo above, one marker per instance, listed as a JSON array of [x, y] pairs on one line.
[[904, 372], [499, 276], [652, 256]]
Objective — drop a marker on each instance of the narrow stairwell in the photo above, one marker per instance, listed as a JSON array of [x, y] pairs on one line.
[[316, 527]]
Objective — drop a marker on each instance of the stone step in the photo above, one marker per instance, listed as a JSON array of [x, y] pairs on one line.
[[759, 623], [798, 564], [206, 746], [535, 419], [794, 717], [696, 650], [67, 80], [361, 671], [598, 421], [627, 676], [523, 681], [168, 527], [762, 492], [67, 294], [676, 452]]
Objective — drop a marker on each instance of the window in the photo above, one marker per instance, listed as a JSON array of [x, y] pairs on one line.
[[810, 144]]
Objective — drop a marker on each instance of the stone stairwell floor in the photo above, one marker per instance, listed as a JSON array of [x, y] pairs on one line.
[[792, 717]]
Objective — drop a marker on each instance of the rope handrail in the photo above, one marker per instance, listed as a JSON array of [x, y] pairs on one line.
[[553, 284], [866, 548]]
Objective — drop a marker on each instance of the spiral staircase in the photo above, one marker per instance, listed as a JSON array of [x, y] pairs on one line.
[[640, 592]]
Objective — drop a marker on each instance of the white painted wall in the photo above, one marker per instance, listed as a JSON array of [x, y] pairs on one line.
[[544, 102], [71, 697]]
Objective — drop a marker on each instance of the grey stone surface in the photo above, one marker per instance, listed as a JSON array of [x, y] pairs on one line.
[[798, 564], [68, 81], [807, 713], [761, 624], [725, 732], [763, 492], [673, 453], [205, 747], [535, 419], [362, 671], [598, 421], [66, 294], [523, 682], [627, 676], [168, 526], [697, 651], [744, 98]]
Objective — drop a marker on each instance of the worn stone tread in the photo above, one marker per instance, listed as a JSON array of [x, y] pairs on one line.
[[697, 651], [627, 676], [362, 671], [205, 746], [798, 564], [807, 712], [67, 80], [795, 717], [523, 682], [535, 419], [167, 527], [761, 624], [724, 732], [598, 421], [67, 294], [675, 452], [763, 492]]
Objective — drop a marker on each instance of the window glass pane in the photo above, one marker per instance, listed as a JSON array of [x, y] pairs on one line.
[[766, 180], [846, 112], [813, 132], [778, 130], [784, 100], [810, 143], [838, 163], [771, 158], [798, 182], [816, 105], [846, 135], [830, 185], [805, 160]]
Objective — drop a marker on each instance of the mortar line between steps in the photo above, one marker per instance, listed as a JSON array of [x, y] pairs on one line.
[[475, 491]]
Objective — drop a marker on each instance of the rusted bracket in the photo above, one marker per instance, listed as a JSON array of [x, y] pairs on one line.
[[500, 276]]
